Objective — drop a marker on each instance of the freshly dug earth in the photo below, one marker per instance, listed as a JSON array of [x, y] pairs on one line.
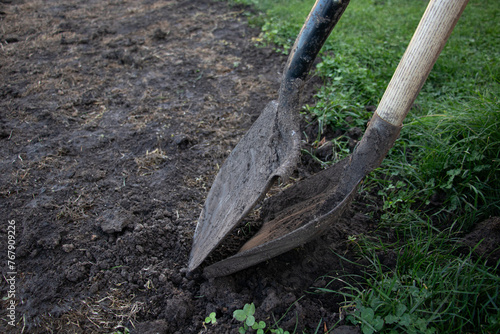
[[115, 116]]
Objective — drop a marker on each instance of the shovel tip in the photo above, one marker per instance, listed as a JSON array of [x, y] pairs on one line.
[[194, 261], [191, 267]]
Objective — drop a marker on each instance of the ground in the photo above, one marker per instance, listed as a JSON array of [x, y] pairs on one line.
[[114, 117]]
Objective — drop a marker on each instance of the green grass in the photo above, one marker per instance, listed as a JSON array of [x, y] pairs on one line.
[[454, 155], [279, 20], [434, 288], [450, 145], [442, 175]]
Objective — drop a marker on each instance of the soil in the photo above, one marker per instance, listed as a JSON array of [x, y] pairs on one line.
[[114, 118]]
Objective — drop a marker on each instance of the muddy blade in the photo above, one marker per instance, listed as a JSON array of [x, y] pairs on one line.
[[310, 207], [298, 215], [259, 158], [271, 148]]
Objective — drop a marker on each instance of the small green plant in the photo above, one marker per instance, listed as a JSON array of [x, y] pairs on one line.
[[398, 317], [246, 315], [279, 331], [365, 316], [211, 319]]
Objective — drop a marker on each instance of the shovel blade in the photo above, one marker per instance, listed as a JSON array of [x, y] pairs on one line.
[[271, 148], [310, 207], [266, 152], [297, 215]]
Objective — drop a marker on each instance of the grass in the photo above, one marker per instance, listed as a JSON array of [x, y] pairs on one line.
[[442, 175], [452, 130], [434, 287], [454, 155]]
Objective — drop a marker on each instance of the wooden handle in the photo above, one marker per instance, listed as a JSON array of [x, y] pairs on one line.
[[431, 35]]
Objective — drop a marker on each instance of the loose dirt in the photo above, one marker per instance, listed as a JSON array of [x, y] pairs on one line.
[[114, 118]]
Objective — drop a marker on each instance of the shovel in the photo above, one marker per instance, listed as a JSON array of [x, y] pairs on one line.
[[310, 207], [271, 148]]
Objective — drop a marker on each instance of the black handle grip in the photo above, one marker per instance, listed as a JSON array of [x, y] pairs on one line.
[[323, 17]]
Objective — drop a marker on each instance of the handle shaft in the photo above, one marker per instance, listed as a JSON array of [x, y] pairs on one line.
[[427, 43], [323, 17]]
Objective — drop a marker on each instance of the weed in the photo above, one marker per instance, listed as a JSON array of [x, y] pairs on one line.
[[246, 315], [211, 319]]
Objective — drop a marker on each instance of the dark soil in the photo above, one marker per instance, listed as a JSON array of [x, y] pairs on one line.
[[114, 118]]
